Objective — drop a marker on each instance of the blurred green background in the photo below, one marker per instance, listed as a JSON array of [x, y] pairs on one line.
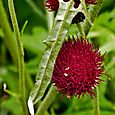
[[102, 33]]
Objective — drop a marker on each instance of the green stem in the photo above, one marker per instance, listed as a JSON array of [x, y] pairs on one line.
[[93, 12], [81, 31], [50, 19], [53, 42], [87, 15], [96, 103], [47, 101], [20, 56], [8, 38]]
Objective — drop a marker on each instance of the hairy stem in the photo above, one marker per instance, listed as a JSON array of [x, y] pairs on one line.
[[93, 12], [50, 19], [51, 93], [20, 56], [81, 31], [87, 15], [47, 101], [96, 103], [53, 42], [10, 41]]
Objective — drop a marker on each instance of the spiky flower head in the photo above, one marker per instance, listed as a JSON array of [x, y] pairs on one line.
[[78, 68]]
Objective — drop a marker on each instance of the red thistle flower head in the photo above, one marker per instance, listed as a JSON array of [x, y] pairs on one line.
[[77, 68], [52, 5]]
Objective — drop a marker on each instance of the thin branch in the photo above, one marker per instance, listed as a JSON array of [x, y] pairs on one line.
[[20, 56], [81, 30], [47, 101], [96, 103], [93, 12]]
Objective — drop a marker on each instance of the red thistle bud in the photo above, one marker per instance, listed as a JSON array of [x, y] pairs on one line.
[[52, 5], [90, 1], [77, 2], [77, 68]]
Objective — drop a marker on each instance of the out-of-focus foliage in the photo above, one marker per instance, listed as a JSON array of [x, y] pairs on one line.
[[102, 33]]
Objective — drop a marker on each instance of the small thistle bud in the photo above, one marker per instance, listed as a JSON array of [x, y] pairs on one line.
[[52, 5], [77, 3], [91, 1], [78, 68]]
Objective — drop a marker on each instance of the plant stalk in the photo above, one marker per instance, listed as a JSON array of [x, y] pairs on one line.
[[81, 31], [10, 41], [93, 12], [87, 15], [20, 57], [47, 101], [50, 19], [53, 42], [96, 103]]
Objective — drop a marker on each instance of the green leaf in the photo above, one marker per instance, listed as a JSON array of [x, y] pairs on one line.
[[53, 42], [24, 26]]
